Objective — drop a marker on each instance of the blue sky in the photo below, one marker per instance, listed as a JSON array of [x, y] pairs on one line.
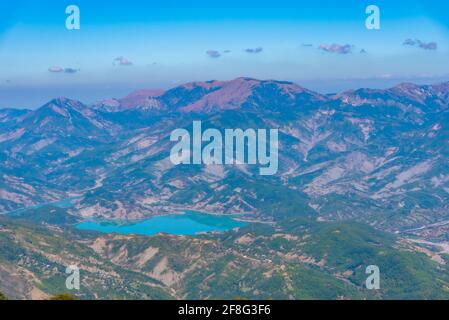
[[133, 44]]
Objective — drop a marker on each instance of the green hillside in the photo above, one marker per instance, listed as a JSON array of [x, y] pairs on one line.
[[297, 258]]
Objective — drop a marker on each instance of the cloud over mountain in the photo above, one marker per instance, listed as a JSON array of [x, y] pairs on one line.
[[122, 61], [57, 69], [254, 50], [213, 54], [71, 70], [420, 44], [336, 48]]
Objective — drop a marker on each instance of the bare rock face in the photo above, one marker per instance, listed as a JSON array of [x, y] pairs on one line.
[[364, 154]]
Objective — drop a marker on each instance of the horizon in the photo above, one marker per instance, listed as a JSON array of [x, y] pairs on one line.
[[163, 90], [323, 46]]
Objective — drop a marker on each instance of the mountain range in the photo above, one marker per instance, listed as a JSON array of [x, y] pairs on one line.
[[363, 179], [377, 156]]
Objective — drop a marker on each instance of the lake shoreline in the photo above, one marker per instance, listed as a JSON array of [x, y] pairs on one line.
[[186, 223]]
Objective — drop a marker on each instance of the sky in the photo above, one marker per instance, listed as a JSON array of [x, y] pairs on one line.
[[123, 46]]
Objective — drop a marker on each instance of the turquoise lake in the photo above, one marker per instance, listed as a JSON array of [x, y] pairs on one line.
[[189, 223]]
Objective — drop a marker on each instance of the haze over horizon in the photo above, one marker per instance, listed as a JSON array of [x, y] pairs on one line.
[[324, 47], [94, 95]]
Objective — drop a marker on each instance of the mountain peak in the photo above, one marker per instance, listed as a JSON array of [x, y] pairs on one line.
[[62, 106], [144, 99], [64, 102], [240, 81], [146, 93], [407, 86], [221, 95], [202, 84], [233, 94], [139, 99]]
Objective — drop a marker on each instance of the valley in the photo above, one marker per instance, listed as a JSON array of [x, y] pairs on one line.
[[296, 259], [362, 180]]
